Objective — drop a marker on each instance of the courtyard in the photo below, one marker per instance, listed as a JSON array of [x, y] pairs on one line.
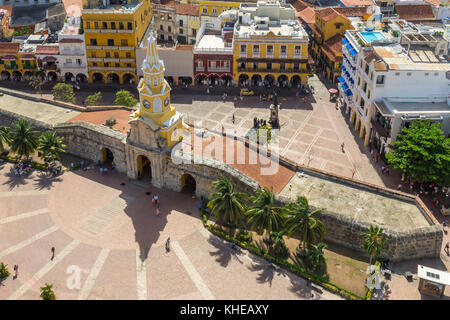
[[110, 233]]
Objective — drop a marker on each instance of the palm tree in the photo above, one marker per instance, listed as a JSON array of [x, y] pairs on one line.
[[226, 204], [47, 292], [264, 216], [316, 257], [373, 242], [301, 220], [4, 137], [51, 145], [24, 140]]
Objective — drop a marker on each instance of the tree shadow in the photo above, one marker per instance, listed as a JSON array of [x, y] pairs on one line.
[[266, 273], [224, 254], [15, 180], [46, 181]]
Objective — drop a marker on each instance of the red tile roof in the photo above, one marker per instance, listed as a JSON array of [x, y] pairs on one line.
[[187, 47], [308, 14], [300, 5], [333, 47], [327, 14], [352, 11], [8, 47], [42, 49], [187, 9], [415, 12], [354, 3], [435, 3]]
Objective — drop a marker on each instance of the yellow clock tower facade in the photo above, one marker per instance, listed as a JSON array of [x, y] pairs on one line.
[[154, 97]]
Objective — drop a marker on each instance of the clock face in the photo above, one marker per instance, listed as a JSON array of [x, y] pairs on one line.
[[166, 102], [147, 104]]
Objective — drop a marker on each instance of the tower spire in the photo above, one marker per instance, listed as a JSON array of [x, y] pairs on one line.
[[152, 54]]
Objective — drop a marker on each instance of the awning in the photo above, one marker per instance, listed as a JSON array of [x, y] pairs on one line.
[[9, 58], [27, 57], [49, 59], [344, 86], [344, 68], [349, 47], [353, 52], [341, 79], [351, 80], [344, 41], [348, 92]]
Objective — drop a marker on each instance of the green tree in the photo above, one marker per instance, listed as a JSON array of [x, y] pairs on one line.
[[264, 134], [316, 256], [264, 216], [4, 272], [94, 99], [37, 84], [5, 140], [47, 292], [24, 139], [226, 204], [373, 242], [125, 98], [301, 220], [63, 92], [51, 145], [422, 152], [279, 245]]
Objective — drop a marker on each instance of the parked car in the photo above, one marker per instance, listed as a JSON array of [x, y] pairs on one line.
[[246, 92]]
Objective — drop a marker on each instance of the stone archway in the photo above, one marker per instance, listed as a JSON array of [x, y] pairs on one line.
[[269, 79], [68, 77], [97, 78], [296, 80], [81, 77], [28, 75], [113, 78], [188, 183], [52, 76], [283, 80], [128, 78], [256, 79], [107, 156], [17, 76], [5, 75], [144, 168], [243, 78], [199, 79]]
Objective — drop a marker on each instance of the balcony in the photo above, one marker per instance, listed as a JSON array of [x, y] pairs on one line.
[[255, 54], [243, 54], [49, 67], [283, 55], [215, 69], [73, 66], [269, 55], [72, 53], [288, 70], [112, 68], [199, 68]]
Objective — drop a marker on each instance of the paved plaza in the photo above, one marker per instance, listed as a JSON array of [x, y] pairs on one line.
[[111, 234]]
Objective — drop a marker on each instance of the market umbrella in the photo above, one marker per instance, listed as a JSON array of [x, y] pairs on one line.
[[333, 91]]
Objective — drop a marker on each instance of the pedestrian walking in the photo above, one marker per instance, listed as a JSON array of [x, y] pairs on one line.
[[168, 244], [382, 169], [16, 271], [156, 200], [313, 296], [53, 253], [399, 187], [342, 146], [157, 211], [447, 248], [233, 118], [153, 201]]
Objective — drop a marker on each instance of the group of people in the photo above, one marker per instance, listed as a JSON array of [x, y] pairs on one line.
[[155, 203], [22, 168], [257, 123]]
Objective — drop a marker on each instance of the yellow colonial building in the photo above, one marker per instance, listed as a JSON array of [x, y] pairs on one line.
[[14, 64], [154, 97], [112, 33], [269, 46], [215, 8]]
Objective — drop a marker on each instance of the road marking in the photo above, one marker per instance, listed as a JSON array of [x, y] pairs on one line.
[[22, 193], [95, 271], [193, 274], [141, 274], [44, 270], [24, 215], [28, 241], [205, 233]]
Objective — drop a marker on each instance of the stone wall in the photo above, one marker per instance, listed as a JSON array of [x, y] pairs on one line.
[[87, 141], [423, 242], [8, 118]]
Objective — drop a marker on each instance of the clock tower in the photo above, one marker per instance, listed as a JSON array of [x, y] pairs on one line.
[[154, 97]]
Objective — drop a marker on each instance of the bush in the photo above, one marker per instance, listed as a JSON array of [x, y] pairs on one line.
[[245, 236], [125, 98], [35, 165], [93, 99], [63, 92], [110, 121], [4, 273]]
